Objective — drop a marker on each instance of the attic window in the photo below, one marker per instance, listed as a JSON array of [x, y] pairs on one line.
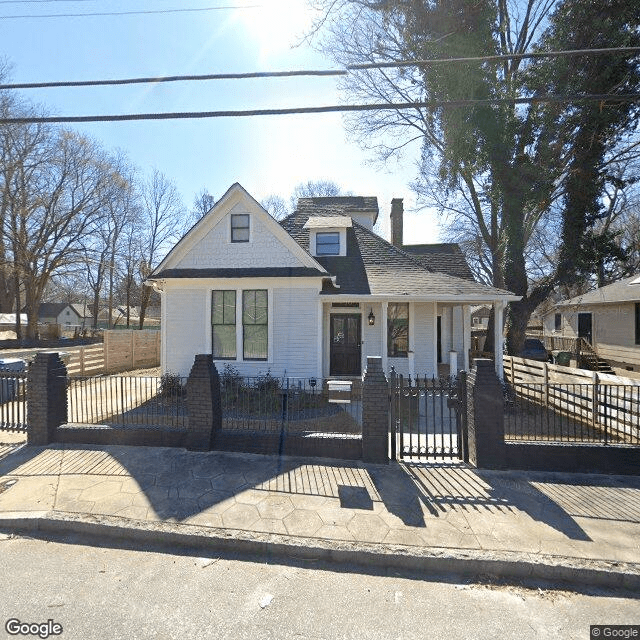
[[239, 227], [328, 243]]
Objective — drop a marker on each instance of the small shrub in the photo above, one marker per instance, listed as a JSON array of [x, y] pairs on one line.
[[267, 384], [171, 385]]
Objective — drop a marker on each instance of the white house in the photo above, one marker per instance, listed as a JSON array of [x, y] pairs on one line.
[[312, 295]]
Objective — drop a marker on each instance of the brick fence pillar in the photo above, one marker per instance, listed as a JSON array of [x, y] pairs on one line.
[[203, 403], [46, 398], [485, 416], [375, 413]]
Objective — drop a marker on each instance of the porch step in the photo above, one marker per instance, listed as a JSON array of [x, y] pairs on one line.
[[593, 363]]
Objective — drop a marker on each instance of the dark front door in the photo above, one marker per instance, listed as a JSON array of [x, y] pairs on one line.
[[584, 327], [345, 350]]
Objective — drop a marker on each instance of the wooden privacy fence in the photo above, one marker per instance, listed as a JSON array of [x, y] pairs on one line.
[[609, 405], [120, 351]]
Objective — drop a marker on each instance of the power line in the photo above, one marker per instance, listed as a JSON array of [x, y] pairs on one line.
[[311, 72], [497, 58], [189, 115], [130, 13]]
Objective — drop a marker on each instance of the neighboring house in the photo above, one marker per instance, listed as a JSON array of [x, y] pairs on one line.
[[310, 296], [608, 318], [480, 316], [61, 313], [8, 321]]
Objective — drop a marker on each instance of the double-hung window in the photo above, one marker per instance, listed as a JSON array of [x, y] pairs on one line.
[[328, 243], [239, 227], [557, 321], [255, 317], [398, 329], [223, 321]]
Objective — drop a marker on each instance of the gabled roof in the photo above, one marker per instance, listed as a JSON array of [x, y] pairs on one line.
[[621, 291], [51, 309], [445, 257], [373, 266], [170, 267], [83, 310]]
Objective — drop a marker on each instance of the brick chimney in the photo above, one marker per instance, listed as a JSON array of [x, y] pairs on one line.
[[397, 211]]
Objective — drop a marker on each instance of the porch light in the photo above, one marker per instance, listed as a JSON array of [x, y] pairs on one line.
[[371, 317]]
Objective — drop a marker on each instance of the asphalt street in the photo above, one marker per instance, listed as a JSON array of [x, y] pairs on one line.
[[113, 594]]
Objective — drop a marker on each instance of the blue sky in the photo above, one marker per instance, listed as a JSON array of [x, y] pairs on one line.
[[266, 155]]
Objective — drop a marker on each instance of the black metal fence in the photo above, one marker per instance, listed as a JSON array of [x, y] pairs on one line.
[[13, 401], [267, 404], [589, 413], [427, 418], [128, 401]]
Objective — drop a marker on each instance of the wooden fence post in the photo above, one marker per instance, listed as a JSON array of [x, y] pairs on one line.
[[545, 383], [81, 361], [105, 347], [133, 350]]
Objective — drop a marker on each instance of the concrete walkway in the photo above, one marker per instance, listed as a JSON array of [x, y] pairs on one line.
[[437, 517]]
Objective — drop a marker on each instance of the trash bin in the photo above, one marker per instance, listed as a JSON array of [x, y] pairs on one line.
[[563, 358]]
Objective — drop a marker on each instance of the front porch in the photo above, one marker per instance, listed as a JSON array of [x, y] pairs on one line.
[[433, 339]]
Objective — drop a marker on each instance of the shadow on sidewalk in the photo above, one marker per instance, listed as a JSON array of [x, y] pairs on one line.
[[180, 484]]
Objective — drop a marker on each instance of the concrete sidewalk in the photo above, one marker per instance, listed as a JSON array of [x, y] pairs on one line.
[[436, 518]]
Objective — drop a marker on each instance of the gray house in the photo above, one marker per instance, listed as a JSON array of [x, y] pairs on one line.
[[608, 318]]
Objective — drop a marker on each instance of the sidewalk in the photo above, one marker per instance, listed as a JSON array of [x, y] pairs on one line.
[[435, 518]]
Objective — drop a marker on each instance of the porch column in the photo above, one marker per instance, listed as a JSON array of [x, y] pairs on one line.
[[466, 335], [436, 371], [498, 337], [383, 337], [320, 351]]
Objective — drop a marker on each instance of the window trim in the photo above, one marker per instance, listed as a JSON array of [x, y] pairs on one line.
[[389, 321], [250, 285], [225, 324], [233, 228], [328, 233], [638, 323], [313, 245], [255, 324]]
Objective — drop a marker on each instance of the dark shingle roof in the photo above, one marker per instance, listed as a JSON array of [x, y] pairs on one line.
[[339, 205], [254, 272], [445, 258], [374, 266], [51, 309]]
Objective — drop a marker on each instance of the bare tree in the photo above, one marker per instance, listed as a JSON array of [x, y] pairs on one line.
[[276, 206], [163, 219]]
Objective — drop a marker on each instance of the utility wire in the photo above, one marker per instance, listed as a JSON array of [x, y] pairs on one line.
[[312, 72], [130, 13], [186, 115]]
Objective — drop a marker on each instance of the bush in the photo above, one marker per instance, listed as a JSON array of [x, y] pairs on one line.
[[171, 385]]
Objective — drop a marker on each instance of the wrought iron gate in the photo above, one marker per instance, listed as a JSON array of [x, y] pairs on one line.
[[428, 418]]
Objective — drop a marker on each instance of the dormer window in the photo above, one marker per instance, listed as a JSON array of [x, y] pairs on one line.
[[239, 227], [328, 235], [328, 243]]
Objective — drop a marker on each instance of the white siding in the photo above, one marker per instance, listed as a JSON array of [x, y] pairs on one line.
[[184, 332], [371, 335], [215, 249], [425, 339], [293, 331]]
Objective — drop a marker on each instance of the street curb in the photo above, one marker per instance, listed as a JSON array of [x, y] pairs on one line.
[[429, 561]]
